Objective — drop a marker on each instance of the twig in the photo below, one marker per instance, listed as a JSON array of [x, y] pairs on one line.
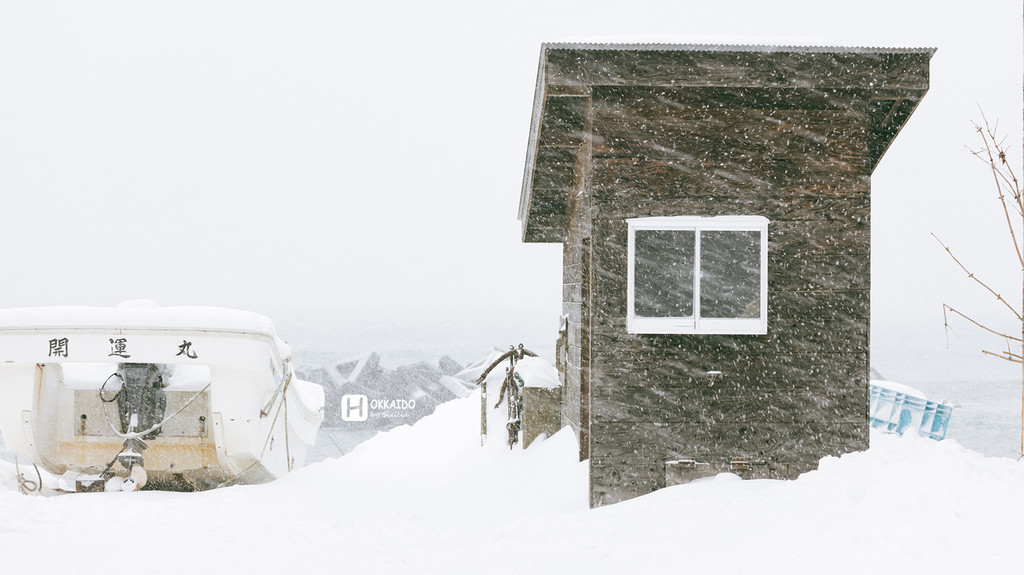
[[988, 137], [993, 153], [968, 318], [1013, 359], [983, 284]]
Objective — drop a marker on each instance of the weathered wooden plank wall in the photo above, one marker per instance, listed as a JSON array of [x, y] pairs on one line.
[[789, 134], [787, 398], [576, 265]]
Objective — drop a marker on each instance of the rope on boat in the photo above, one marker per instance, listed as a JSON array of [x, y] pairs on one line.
[[287, 448], [112, 399], [25, 485], [270, 434], [266, 442], [139, 434]]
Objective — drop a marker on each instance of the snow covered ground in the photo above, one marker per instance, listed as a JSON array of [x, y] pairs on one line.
[[429, 499]]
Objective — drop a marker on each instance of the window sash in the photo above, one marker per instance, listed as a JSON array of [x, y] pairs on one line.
[[697, 324]]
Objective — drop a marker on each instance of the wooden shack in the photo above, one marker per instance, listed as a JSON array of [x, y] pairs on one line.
[[714, 206]]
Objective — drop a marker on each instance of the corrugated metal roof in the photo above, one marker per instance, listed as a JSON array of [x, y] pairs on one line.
[[663, 47]]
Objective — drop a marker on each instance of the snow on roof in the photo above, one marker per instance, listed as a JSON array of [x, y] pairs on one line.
[[134, 316], [899, 388], [538, 373]]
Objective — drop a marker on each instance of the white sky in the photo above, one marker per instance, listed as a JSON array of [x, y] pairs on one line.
[[327, 155]]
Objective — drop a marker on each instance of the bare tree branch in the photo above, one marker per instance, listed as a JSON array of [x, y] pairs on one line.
[[993, 153], [1012, 358], [989, 138], [984, 327], [983, 284]]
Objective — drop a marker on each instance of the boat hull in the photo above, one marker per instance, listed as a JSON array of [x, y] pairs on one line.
[[229, 407]]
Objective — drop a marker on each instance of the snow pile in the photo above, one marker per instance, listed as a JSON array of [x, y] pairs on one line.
[[429, 499], [538, 373]]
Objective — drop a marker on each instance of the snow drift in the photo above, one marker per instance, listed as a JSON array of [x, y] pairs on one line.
[[429, 499]]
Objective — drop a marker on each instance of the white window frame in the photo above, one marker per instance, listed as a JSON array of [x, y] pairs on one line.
[[697, 324]]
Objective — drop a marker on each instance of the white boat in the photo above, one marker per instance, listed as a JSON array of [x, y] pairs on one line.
[[176, 397]]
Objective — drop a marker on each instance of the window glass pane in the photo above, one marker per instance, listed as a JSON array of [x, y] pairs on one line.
[[730, 279], [663, 273]]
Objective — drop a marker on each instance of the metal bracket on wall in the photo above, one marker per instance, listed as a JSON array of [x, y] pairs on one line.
[[740, 464], [685, 470], [713, 376]]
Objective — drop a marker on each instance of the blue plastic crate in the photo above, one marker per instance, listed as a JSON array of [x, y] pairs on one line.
[[897, 411]]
